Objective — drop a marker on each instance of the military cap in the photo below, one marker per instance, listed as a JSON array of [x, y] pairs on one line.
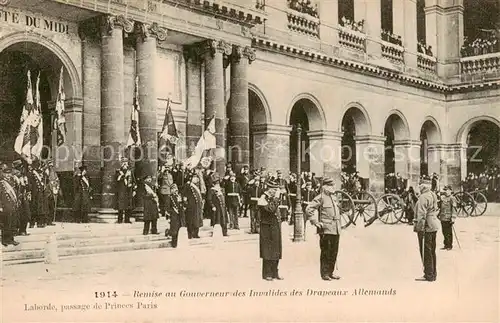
[[146, 177], [272, 184], [425, 181], [215, 177], [328, 181], [83, 167], [173, 186], [278, 172], [447, 188], [17, 163]]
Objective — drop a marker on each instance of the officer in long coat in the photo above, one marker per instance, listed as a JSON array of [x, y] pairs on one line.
[[194, 207], [82, 194], [165, 181], [151, 206], [176, 209], [426, 224], [8, 208], [233, 200], [243, 179], [125, 191], [255, 191], [217, 204], [270, 232], [329, 227], [39, 200], [24, 198]]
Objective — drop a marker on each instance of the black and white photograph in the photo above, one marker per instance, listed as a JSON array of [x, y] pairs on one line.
[[249, 161]]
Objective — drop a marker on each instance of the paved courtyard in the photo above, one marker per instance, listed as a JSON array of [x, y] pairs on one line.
[[381, 260]]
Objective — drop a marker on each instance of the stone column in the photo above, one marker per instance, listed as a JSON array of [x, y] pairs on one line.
[[371, 12], [370, 160], [329, 19], [112, 110], [407, 159], [271, 147], [238, 113], [213, 53], [194, 126], [147, 36], [445, 15], [405, 24], [325, 153]]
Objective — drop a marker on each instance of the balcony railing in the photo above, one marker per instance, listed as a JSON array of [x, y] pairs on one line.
[[352, 39], [393, 52], [484, 64], [303, 23], [426, 62]]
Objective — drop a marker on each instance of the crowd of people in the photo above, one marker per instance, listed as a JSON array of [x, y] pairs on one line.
[[480, 46], [304, 6], [28, 194], [423, 48], [353, 25], [390, 37], [488, 182]]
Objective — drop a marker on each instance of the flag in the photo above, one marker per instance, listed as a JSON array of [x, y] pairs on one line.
[[29, 137], [37, 147], [169, 131], [206, 142], [134, 136], [60, 119]]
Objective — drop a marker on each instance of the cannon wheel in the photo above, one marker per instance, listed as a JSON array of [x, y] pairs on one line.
[[465, 204], [390, 208], [365, 205], [346, 207], [480, 204]]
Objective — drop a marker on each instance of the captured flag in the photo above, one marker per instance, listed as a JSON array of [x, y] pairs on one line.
[[206, 142], [60, 119], [29, 139], [134, 136], [169, 131]]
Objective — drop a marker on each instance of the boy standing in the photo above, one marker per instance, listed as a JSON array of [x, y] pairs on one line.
[[447, 216]]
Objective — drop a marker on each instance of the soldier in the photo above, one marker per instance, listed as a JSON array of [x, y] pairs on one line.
[[177, 214], [217, 204], [255, 191], [8, 207], [24, 198], [125, 191], [292, 193], [329, 227], [233, 200], [435, 182], [194, 207], [243, 179], [308, 194], [165, 181], [284, 202], [426, 225], [151, 206], [447, 215], [270, 232], [83, 195], [39, 200]]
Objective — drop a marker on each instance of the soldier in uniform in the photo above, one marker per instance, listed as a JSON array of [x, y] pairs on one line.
[[165, 181], [125, 191], [233, 200], [151, 206], [292, 193], [308, 194], [8, 207], [39, 200], [53, 186], [177, 214], [255, 191], [447, 215], [217, 204], [243, 179], [24, 198], [426, 225], [82, 194], [435, 182], [270, 232], [329, 227], [194, 207], [284, 201]]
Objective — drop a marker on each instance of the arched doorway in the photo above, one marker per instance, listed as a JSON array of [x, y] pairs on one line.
[[429, 135], [354, 123], [257, 118], [15, 61], [483, 142], [306, 113], [395, 130]]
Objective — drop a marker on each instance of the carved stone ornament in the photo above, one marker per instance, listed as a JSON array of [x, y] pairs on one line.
[[216, 46], [249, 53], [151, 30], [110, 22]]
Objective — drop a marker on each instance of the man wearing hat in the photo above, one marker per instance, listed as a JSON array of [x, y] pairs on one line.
[[447, 216], [8, 207], [176, 210], [270, 232], [82, 189], [255, 191], [151, 206], [233, 200], [39, 198], [165, 181], [217, 204], [426, 225], [329, 227], [125, 191], [243, 179], [23, 198], [194, 207]]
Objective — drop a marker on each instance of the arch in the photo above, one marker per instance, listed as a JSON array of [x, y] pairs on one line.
[[461, 136], [30, 37], [432, 129], [265, 105], [314, 111], [360, 116], [399, 125]]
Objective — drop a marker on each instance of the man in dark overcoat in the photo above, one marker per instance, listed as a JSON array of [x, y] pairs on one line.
[[176, 209], [125, 188], [151, 206], [270, 232], [39, 200], [82, 194], [254, 191], [243, 179], [24, 198], [8, 207], [194, 207], [217, 204], [233, 200]]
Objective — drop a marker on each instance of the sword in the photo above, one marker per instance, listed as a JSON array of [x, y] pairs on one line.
[[55, 207], [456, 237]]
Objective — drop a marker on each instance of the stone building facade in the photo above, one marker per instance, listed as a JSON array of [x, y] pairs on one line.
[[259, 69]]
